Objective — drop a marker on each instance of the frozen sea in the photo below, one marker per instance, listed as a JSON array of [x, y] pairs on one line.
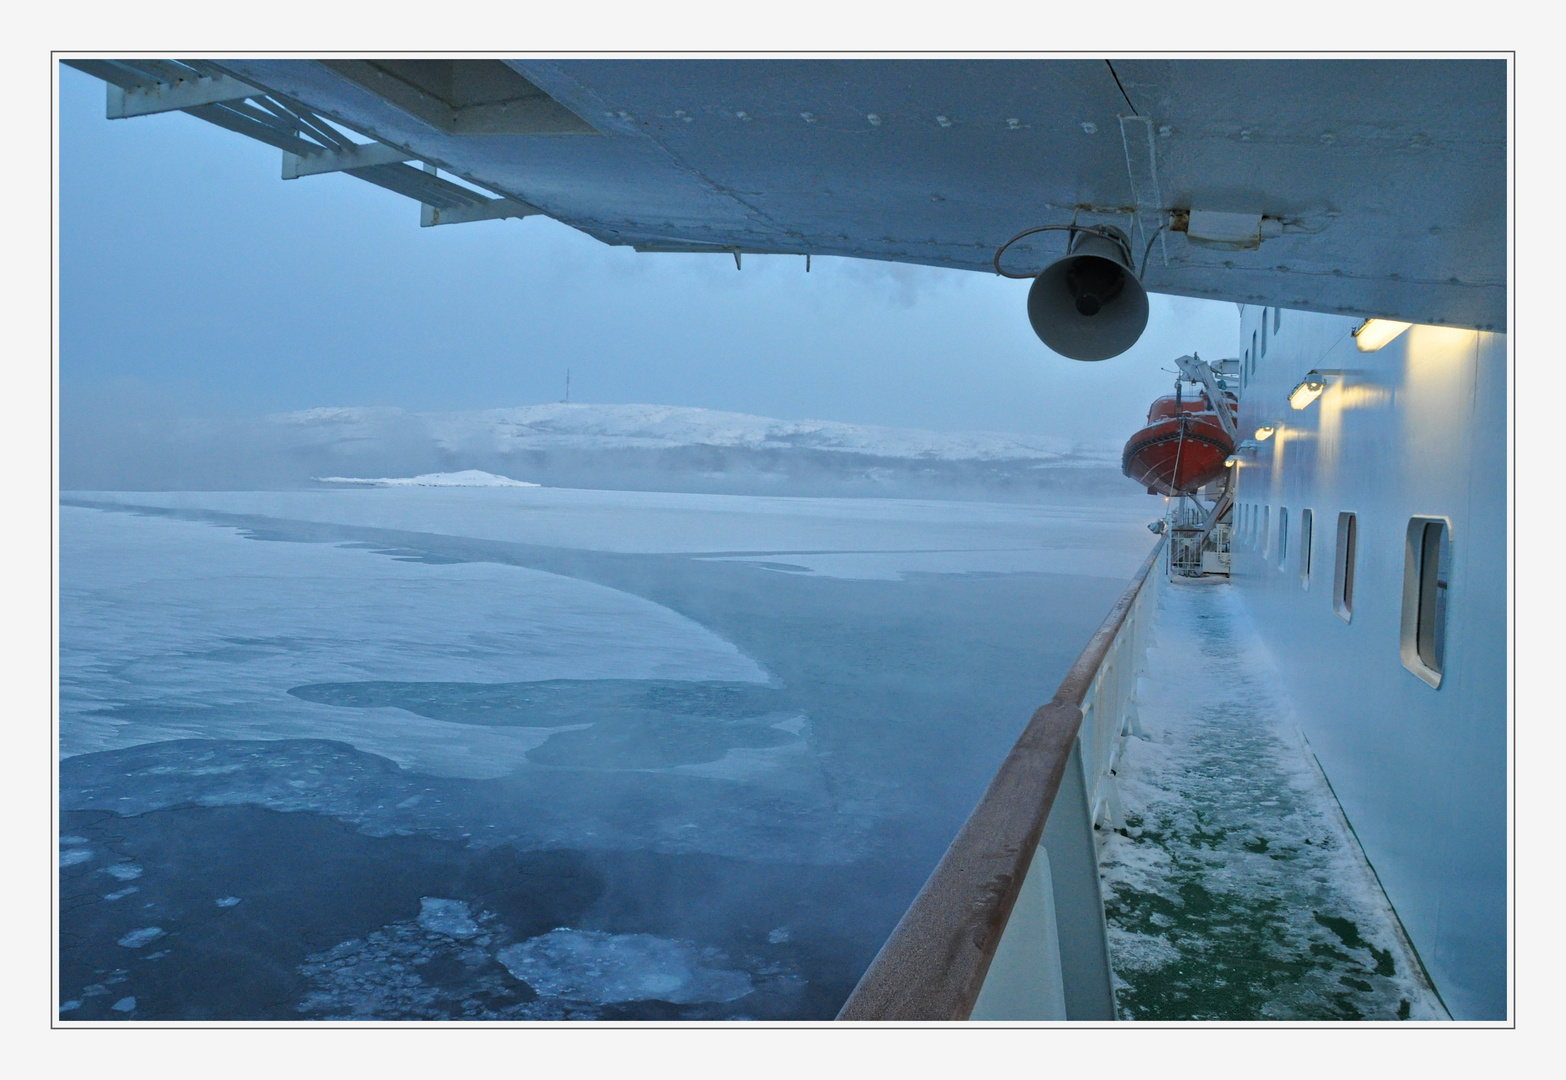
[[501, 753]]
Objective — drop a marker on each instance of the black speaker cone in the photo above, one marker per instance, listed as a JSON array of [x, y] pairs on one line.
[[1094, 282]]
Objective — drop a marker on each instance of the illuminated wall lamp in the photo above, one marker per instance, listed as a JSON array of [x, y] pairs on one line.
[[1372, 334], [1265, 432], [1230, 462], [1308, 390]]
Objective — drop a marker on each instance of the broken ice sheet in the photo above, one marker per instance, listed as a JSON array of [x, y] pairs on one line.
[[145, 936], [449, 917], [590, 966]]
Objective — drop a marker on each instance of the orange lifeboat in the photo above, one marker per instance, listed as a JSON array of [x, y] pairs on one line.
[[1182, 447]]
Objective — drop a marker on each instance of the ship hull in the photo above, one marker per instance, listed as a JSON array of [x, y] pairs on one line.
[[1414, 431]]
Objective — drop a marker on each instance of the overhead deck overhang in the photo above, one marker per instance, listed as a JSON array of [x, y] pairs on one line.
[[1362, 186]]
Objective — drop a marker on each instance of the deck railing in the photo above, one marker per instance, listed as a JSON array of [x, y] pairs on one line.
[[1010, 925]]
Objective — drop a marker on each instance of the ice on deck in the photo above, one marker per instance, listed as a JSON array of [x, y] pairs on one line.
[[1236, 889]]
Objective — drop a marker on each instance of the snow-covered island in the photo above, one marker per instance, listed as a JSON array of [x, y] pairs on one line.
[[621, 447], [465, 478]]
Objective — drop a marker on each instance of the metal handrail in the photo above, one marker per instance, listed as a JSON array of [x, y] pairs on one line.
[[933, 965]]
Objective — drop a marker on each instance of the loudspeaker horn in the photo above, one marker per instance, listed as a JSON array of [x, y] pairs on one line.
[[1089, 304]]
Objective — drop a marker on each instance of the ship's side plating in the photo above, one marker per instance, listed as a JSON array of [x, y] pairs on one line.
[[1411, 435]]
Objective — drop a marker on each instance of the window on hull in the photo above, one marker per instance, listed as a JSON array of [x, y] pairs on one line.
[[1307, 529], [1343, 568], [1427, 563], [1283, 537]]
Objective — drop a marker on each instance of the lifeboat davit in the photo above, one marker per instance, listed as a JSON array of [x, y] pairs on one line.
[[1182, 447]]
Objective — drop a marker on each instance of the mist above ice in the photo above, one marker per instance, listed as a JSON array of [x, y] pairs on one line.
[[635, 447]]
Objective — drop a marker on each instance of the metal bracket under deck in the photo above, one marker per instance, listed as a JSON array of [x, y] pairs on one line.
[[311, 144]]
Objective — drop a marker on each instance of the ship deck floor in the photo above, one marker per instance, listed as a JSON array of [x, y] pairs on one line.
[[1235, 889]]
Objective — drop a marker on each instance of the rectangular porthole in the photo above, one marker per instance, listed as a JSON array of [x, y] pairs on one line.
[[1283, 537], [1277, 320], [1264, 332], [1264, 538], [1427, 567], [1307, 528], [1343, 567]]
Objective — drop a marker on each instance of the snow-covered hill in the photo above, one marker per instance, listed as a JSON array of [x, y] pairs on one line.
[[465, 478], [665, 427], [634, 447]]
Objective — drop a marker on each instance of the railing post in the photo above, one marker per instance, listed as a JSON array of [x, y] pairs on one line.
[[1024, 981], [1079, 903]]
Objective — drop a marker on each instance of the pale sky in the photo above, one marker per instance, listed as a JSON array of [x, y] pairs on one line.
[[194, 281]]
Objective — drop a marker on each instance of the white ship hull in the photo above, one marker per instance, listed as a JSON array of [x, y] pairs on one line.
[[1416, 430]]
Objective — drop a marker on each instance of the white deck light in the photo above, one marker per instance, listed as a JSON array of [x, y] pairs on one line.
[[1372, 334], [1308, 390]]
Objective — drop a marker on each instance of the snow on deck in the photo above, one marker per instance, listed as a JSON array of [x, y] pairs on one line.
[[1236, 890]]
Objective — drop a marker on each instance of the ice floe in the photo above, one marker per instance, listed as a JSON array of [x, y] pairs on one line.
[[408, 970], [226, 901], [591, 966], [73, 856], [123, 871], [124, 1005], [449, 917], [404, 971], [841, 538], [173, 629], [145, 936]]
